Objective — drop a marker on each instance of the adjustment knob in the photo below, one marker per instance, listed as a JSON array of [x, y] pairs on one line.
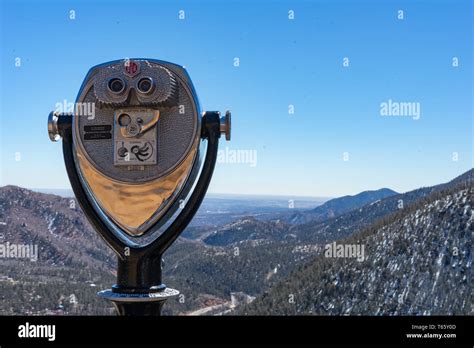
[[225, 125]]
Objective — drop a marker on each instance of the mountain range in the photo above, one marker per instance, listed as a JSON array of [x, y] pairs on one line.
[[339, 206], [249, 255], [416, 262]]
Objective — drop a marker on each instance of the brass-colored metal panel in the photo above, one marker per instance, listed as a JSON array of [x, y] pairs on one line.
[[135, 207]]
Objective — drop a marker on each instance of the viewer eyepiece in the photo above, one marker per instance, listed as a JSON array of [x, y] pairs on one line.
[[145, 85], [116, 85]]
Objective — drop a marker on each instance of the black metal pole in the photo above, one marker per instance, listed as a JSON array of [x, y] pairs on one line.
[[139, 290], [148, 308]]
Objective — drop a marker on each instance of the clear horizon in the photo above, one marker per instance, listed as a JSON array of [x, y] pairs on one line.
[[327, 100], [211, 194]]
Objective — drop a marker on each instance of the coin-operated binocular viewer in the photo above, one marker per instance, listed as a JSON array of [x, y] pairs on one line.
[[139, 155]]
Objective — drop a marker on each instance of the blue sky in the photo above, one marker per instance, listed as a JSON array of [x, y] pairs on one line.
[[282, 62]]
